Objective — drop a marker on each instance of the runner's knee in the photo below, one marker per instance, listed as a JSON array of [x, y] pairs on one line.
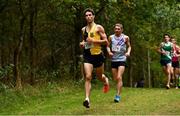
[[119, 78], [88, 77]]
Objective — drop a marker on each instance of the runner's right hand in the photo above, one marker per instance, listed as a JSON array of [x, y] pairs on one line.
[[82, 44]]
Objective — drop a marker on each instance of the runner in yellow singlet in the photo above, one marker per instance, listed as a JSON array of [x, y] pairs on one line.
[[93, 37]]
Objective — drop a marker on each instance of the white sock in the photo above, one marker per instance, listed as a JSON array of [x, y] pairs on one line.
[[87, 99]]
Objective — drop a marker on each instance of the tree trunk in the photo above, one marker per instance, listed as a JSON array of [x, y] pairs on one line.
[[2, 47], [2, 53], [131, 78], [76, 52], [31, 39], [18, 50], [17, 63], [149, 69], [144, 71], [130, 73]]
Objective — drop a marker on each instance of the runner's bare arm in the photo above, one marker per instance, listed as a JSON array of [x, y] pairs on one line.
[[108, 47], [178, 50], [102, 33], [159, 49], [81, 44], [128, 46]]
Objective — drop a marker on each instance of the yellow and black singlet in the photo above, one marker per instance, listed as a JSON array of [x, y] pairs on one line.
[[92, 49]]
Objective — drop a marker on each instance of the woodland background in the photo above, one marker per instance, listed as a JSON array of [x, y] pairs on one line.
[[39, 39]]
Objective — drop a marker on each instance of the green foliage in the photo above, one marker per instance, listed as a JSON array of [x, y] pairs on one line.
[[6, 71], [57, 25], [3, 87]]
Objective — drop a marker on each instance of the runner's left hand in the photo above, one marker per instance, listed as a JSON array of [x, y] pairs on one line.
[[127, 54]]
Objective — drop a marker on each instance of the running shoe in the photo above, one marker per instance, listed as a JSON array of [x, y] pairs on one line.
[[106, 86], [86, 104], [117, 98], [167, 87]]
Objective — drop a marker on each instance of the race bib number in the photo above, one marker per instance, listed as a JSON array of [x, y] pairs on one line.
[[116, 48], [87, 45]]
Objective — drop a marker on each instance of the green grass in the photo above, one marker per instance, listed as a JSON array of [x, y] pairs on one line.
[[65, 99]]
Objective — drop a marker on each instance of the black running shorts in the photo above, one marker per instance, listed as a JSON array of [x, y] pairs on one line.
[[164, 62], [175, 64], [95, 60], [117, 64]]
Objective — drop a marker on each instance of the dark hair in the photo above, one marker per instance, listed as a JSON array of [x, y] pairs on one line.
[[89, 10], [166, 35]]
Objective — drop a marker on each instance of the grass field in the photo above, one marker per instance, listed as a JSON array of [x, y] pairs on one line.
[[66, 99]]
